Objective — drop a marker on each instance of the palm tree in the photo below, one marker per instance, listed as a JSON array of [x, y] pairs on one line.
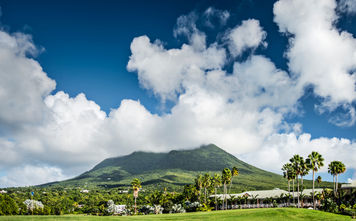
[[296, 162], [232, 200], [318, 180], [315, 162], [304, 170], [340, 169], [293, 175], [286, 172], [332, 168], [289, 174], [136, 185], [335, 168], [234, 172], [199, 185], [216, 183], [206, 184], [226, 179]]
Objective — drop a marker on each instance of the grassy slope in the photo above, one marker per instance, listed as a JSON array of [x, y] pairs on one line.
[[175, 169], [248, 214]]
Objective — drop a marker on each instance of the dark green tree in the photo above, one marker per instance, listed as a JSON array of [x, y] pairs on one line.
[[315, 161], [226, 179]]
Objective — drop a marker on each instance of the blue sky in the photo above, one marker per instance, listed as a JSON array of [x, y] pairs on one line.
[[85, 48]]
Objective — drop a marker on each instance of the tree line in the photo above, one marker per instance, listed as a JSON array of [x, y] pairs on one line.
[[298, 167]]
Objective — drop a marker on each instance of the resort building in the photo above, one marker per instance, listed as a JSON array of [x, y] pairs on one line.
[[351, 185], [268, 198]]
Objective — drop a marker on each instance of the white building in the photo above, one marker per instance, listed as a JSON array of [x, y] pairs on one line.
[[351, 185], [115, 209], [259, 198]]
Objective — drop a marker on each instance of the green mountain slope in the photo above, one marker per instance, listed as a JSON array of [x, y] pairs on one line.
[[174, 169]]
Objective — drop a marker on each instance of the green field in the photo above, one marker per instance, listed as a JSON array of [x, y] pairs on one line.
[[274, 214]]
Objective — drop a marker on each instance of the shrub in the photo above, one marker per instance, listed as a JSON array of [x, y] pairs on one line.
[[275, 204], [177, 208], [192, 207], [204, 208], [146, 209], [330, 206], [158, 209]]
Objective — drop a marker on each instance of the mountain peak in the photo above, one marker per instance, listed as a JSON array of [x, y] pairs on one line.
[[175, 168], [203, 158]]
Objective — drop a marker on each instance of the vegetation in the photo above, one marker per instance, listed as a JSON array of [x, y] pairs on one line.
[[273, 214], [193, 197], [174, 170], [315, 161], [226, 179], [136, 185], [297, 163], [335, 168], [337, 202]]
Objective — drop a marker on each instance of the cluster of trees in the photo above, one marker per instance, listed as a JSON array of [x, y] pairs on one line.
[[203, 187], [194, 197], [7, 205], [59, 201], [211, 183], [298, 167]]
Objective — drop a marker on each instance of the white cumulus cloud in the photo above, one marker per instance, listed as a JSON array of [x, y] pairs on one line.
[[320, 54], [55, 136], [247, 35]]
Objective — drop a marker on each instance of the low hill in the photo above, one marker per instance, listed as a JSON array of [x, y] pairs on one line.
[[174, 169]]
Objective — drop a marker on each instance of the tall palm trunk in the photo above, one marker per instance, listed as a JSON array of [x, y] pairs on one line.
[[336, 185], [298, 190], [224, 196], [313, 191], [226, 200], [231, 184], [293, 192], [135, 206], [225, 191], [216, 203], [205, 195], [289, 190], [199, 195], [301, 190]]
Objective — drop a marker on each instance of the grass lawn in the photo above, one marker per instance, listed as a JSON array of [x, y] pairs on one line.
[[274, 214]]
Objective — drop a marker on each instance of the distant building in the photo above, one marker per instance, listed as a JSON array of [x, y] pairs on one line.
[[115, 209], [261, 197], [351, 185], [84, 191], [33, 204], [3, 191]]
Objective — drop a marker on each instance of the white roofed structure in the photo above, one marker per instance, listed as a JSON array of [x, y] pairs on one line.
[[264, 194], [351, 185]]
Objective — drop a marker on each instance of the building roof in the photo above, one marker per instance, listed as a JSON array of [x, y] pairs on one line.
[[349, 185], [263, 194], [308, 192]]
